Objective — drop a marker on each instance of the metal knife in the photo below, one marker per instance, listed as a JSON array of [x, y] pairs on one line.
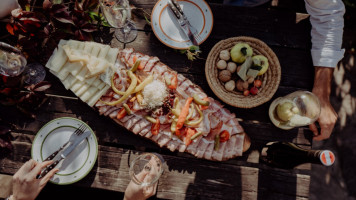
[[182, 23], [180, 10], [65, 153]]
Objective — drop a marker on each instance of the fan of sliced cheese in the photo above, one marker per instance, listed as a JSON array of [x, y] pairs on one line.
[[79, 66]]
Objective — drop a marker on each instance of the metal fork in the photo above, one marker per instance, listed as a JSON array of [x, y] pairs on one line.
[[195, 33], [80, 130]]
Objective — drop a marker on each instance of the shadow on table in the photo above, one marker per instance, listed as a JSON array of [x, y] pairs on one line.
[[234, 179]]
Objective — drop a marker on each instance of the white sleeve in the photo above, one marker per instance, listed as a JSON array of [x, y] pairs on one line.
[[327, 20]]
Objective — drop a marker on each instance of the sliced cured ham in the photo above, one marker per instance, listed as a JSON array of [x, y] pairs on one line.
[[183, 120]]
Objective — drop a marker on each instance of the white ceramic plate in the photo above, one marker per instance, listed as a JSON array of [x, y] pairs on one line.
[[79, 162], [167, 29]]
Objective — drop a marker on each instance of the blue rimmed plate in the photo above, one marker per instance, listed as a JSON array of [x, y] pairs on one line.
[[78, 163]]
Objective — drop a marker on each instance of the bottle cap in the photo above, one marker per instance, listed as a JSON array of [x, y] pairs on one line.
[[327, 158]]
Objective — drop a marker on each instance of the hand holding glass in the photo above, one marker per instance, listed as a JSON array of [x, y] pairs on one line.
[[145, 170], [299, 108]]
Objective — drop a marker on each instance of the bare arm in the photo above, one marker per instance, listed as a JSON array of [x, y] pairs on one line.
[[326, 17], [322, 89]]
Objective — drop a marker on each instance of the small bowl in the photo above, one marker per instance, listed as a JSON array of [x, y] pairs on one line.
[[270, 79]]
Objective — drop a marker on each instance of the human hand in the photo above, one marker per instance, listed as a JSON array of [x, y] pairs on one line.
[[139, 192], [25, 186], [328, 116], [326, 120]]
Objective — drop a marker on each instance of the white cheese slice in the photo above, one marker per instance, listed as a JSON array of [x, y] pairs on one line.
[[73, 67], [58, 60], [112, 55], [75, 55], [69, 81], [82, 89], [102, 85], [62, 42], [91, 80], [81, 46], [106, 76], [77, 85], [96, 49], [97, 82], [49, 62], [97, 96], [104, 51], [81, 75], [62, 74], [97, 66], [73, 44], [88, 47], [89, 93]]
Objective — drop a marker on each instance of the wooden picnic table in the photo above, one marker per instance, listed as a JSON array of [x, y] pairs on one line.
[[186, 177]]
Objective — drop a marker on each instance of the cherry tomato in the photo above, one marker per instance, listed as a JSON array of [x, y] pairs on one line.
[[224, 136]]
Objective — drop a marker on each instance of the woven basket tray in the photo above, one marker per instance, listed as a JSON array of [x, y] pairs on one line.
[[270, 79]]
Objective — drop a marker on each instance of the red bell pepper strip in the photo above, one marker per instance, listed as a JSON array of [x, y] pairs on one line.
[[155, 127], [181, 132], [121, 114], [188, 137]]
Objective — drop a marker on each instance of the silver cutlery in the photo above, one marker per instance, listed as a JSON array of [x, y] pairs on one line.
[[78, 139], [77, 132], [192, 28], [183, 23]]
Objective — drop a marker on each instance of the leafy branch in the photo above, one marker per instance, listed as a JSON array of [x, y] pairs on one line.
[[192, 52]]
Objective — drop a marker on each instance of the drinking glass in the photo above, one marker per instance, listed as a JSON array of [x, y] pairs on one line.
[[299, 108], [34, 73], [13, 63], [146, 169], [118, 15]]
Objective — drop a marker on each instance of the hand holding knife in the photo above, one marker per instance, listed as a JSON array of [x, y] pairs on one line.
[[72, 145]]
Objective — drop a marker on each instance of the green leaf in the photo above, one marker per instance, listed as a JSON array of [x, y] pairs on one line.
[[93, 15], [194, 48]]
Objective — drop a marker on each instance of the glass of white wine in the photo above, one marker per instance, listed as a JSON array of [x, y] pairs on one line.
[[118, 15], [299, 108], [13, 63]]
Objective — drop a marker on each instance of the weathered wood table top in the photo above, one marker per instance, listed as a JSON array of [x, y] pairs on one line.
[[187, 177]]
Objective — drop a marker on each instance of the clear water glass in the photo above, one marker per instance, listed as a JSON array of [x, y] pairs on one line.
[[146, 169], [118, 15], [34, 73]]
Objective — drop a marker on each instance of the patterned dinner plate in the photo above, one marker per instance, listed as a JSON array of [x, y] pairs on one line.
[[79, 162], [167, 29]]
